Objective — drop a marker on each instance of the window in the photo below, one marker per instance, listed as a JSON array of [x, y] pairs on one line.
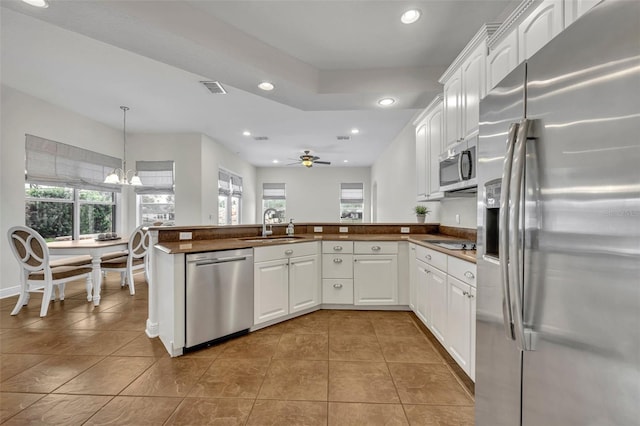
[[229, 198], [156, 199], [274, 196], [351, 202], [65, 197]]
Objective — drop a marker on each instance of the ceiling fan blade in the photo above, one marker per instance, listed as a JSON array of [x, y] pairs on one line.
[[322, 162], [291, 164]]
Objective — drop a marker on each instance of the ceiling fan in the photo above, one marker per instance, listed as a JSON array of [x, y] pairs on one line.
[[309, 160]]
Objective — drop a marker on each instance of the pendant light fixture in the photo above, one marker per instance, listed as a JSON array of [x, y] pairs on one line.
[[121, 176]]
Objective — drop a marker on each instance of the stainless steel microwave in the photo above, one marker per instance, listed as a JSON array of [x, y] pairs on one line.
[[458, 166]]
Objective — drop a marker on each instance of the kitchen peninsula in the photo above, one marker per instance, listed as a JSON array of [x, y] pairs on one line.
[[324, 266]]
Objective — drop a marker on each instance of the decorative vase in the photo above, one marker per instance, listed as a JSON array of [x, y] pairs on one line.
[[421, 217]]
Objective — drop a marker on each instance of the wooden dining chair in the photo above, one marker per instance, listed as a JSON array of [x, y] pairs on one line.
[[38, 273], [134, 261]]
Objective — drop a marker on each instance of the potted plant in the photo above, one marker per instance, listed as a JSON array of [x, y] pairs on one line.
[[421, 213]]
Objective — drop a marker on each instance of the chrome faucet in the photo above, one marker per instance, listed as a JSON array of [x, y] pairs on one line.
[[266, 232]]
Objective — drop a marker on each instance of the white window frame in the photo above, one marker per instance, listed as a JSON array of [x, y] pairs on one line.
[[351, 193], [231, 191]]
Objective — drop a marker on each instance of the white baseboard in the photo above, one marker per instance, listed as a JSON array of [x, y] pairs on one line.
[[8, 292]]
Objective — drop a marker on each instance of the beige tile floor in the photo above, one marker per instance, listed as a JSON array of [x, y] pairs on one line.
[[95, 366]]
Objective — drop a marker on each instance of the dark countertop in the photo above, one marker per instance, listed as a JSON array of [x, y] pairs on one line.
[[195, 246]]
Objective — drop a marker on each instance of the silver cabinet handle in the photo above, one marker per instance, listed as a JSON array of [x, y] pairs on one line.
[[427, 271], [465, 293], [287, 252], [337, 248], [375, 248], [428, 257], [337, 285], [337, 260], [469, 275], [470, 296]]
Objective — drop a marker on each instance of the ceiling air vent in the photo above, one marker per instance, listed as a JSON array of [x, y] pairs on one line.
[[214, 87], [262, 138], [343, 138]]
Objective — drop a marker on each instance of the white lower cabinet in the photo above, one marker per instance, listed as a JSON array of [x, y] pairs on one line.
[[337, 291], [304, 285], [286, 280], [412, 277], [375, 276], [445, 302], [270, 290]]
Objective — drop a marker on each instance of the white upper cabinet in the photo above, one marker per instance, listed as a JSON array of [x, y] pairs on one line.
[[429, 146], [464, 85], [453, 109], [502, 59], [544, 23], [573, 9]]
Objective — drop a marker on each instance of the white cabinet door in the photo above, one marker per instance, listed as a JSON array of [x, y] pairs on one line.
[[472, 359], [502, 59], [375, 279], [543, 24], [459, 322], [573, 9], [271, 290], [436, 146], [422, 300], [473, 80], [437, 300], [304, 283], [453, 107], [421, 162]]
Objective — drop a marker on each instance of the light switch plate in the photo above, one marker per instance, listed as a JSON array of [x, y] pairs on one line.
[[317, 229], [186, 235], [405, 229], [344, 229]]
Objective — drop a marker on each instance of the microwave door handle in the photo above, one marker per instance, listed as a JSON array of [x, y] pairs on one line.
[[516, 268], [467, 176], [460, 176], [503, 227]]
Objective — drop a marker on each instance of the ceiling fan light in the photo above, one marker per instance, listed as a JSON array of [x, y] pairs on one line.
[[307, 162]]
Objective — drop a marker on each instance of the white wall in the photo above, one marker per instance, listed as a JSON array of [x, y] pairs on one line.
[[21, 114], [394, 174], [313, 194], [215, 156]]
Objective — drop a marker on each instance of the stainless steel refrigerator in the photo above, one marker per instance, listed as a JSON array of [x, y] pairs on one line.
[[558, 298]]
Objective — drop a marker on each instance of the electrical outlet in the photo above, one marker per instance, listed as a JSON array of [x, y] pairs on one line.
[[186, 235], [344, 229], [317, 229], [405, 229], [457, 218]]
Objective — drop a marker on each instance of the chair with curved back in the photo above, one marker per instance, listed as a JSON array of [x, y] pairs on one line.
[[136, 259], [37, 272]]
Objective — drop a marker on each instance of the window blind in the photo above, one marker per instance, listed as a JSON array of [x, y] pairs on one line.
[[274, 191], [157, 177], [236, 185], [229, 183], [54, 163], [351, 193]]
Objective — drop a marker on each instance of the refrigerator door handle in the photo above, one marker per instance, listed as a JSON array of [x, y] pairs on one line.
[[503, 226], [523, 338]]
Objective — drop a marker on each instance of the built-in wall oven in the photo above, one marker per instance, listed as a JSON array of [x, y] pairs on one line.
[[458, 166]]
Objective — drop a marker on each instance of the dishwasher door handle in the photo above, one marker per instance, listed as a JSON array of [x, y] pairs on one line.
[[220, 260]]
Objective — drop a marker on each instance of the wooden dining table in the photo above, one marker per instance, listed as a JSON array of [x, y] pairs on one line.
[[94, 248]]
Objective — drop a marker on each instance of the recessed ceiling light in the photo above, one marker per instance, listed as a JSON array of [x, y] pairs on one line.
[[246, 133], [345, 161], [410, 16], [265, 85], [386, 101], [355, 131], [275, 161], [37, 3]]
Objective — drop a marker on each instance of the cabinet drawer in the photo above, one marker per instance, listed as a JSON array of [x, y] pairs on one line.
[[376, 247], [462, 270], [337, 291], [432, 257], [282, 251], [337, 266], [337, 247]]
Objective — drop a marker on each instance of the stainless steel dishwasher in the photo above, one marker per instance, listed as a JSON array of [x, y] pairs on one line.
[[219, 295]]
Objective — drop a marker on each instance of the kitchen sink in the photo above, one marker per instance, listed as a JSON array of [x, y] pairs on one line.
[[270, 239]]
